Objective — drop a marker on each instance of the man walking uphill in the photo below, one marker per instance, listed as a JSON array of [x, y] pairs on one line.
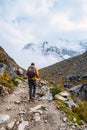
[[33, 75]]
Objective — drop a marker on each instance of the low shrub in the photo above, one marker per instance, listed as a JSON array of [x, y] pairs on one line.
[[6, 80], [15, 82], [81, 110], [55, 90]]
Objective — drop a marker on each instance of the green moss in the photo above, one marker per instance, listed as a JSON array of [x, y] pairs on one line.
[[69, 113]]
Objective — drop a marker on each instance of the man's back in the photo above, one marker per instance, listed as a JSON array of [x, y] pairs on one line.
[[32, 73]]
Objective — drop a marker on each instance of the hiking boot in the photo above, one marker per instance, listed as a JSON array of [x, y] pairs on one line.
[[31, 100], [34, 98]]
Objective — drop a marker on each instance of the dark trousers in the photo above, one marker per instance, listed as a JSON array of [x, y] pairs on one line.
[[32, 88]]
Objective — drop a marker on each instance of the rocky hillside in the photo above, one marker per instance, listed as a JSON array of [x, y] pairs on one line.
[[7, 63], [68, 73], [72, 66], [9, 70]]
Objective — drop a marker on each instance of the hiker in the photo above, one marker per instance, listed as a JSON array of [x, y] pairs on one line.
[[33, 75]]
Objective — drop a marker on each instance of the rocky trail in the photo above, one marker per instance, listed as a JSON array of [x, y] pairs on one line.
[[17, 113]]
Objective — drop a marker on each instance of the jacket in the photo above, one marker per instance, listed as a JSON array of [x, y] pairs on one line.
[[36, 77]]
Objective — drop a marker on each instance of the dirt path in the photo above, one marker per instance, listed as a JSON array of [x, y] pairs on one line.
[[50, 118]]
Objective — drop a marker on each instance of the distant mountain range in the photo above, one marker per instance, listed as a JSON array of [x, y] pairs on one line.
[[49, 53]]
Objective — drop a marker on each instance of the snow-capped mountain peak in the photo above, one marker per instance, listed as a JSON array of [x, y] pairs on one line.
[[49, 53]]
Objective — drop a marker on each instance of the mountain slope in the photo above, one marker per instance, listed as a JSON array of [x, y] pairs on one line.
[[59, 72], [6, 59], [8, 70]]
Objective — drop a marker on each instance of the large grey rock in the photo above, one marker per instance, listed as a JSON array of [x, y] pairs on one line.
[[20, 71], [84, 76], [3, 118], [75, 88], [57, 96], [72, 77], [11, 69], [44, 89], [48, 96], [83, 91], [64, 94], [2, 68], [70, 103]]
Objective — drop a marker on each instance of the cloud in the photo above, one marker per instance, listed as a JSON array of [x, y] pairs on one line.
[[63, 23], [23, 21]]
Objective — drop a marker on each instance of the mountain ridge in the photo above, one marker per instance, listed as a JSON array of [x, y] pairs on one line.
[[58, 72], [56, 52]]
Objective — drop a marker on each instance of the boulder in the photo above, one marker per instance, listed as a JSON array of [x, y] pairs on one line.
[[57, 96], [84, 76], [2, 68], [11, 69], [48, 96], [73, 77], [70, 103], [80, 90], [83, 91], [64, 94], [75, 88], [3, 118]]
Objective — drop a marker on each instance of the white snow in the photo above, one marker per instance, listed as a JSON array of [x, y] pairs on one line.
[[35, 53]]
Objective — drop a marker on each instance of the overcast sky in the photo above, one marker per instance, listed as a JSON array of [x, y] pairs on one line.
[[23, 21]]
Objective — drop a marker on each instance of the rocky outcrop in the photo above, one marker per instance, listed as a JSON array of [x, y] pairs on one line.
[[10, 68], [83, 91], [80, 90], [9, 71]]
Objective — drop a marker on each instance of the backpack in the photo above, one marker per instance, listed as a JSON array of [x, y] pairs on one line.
[[31, 72]]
